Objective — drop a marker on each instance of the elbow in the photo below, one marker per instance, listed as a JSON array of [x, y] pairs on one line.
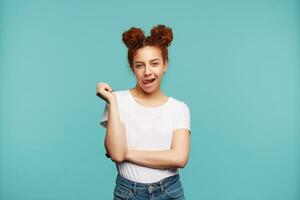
[[180, 158], [118, 157], [181, 163]]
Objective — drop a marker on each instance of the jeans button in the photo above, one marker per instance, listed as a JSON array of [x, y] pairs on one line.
[[150, 188]]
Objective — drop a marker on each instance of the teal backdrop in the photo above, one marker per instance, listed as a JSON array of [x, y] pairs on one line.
[[235, 63]]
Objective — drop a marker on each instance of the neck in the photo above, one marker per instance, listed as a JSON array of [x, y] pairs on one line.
[[140, 93]]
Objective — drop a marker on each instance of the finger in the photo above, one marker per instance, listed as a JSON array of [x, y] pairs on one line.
[[98, 88], [103, 87], [99, 85], [108, 87]]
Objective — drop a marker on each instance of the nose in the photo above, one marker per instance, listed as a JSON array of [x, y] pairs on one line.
[[147, 70]]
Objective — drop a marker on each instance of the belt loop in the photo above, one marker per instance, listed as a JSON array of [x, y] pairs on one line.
[[134, 188], [161, 185]]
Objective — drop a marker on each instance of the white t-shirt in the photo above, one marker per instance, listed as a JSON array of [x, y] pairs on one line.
[[148, 128]]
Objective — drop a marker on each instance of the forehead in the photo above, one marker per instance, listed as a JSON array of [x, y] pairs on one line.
[[147, 53]]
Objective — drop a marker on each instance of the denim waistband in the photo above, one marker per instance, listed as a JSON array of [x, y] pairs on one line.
[[120, 180]]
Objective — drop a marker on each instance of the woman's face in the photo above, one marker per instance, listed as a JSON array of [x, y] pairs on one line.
[[148, 68]]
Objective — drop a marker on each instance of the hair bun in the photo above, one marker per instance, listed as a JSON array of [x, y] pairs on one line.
[[162, 34], [133, 37]]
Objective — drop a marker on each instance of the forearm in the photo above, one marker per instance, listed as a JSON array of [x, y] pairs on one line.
[[115, 138], [162, 159]]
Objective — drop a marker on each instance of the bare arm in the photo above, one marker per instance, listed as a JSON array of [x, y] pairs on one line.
[[176, 157], [115, 137]]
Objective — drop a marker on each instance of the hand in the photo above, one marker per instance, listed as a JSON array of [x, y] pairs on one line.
[[104, 91]]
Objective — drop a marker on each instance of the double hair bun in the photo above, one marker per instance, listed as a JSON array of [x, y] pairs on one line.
[[160, 35]]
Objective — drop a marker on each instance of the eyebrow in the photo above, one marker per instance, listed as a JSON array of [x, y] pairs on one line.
[[150, 60]]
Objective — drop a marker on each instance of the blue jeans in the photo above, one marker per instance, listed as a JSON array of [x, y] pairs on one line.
[[167, 188]]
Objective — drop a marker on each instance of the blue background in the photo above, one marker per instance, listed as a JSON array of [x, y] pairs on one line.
[[235, 63]]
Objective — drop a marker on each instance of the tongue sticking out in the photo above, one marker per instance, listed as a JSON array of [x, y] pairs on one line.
[[149, 81]]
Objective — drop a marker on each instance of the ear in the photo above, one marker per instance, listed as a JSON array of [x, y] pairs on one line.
[[165, 66]]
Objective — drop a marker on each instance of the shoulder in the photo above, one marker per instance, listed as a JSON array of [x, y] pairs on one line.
[[180, 104], [120, 93], [122, 97]]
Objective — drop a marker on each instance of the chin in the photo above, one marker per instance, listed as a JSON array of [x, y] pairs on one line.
[[148, 90]]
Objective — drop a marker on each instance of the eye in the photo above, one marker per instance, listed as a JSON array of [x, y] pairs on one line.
[[155, 63]]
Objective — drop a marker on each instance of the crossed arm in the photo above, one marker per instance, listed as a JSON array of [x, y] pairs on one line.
[[117, 148], [176, 157]]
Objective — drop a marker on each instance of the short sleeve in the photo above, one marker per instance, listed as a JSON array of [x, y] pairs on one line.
[[104, 116], [182, 117]]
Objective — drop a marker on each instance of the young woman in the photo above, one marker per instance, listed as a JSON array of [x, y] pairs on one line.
[[147, 132]]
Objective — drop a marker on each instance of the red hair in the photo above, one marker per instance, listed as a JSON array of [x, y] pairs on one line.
[[134, 38]]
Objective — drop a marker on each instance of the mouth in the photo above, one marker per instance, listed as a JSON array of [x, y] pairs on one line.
[[149, 82]]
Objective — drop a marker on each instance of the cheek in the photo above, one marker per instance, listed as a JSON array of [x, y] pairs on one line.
[[138, 76], [160, 74]]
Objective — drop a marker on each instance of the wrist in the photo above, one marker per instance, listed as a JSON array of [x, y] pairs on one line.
[[112, 100]]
